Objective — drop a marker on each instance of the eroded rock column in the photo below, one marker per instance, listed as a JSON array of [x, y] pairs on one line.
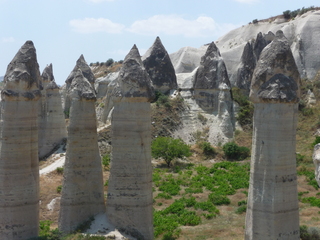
[[19, 168], [52, 125], [273, 211], [129, 201], [82, 190]]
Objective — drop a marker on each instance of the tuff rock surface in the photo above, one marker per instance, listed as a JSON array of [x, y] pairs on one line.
[[19, 163], [129, 200], [316, 162], [86, 72], [302, 34], [273, 210], [52, 126], [207, 93], [82, 190], [159, 67]]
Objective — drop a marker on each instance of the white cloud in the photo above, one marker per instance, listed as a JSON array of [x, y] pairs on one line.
[[92, 25], [7, 39], [176, 25], [247, 1]]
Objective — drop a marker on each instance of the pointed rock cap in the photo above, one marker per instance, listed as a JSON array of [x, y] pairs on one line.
[[23, 77], [212, 72], [47, 74], [259, 44], [85, 69], [276, 77], [134, 81], [159, 67], [81, 88]]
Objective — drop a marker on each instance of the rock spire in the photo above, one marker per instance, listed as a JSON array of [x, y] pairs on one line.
[[19, 163], [159, 67], [273, 210], [86, 72], [82, 190], [129, 200], [52, 126]]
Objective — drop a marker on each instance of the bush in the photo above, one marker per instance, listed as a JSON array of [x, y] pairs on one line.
[[106, 160], [59, 189], [219, 199], [316, 141], [311, 233], [207, 149], [59, 170], [245, 114], [233, 151], [169, 148], [109, 62], [241, 209]]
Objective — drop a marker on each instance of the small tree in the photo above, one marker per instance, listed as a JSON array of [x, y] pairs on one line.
[[169, 148], [109, 62]]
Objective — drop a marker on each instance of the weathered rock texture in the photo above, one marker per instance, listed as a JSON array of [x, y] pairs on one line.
[[273, 210], [86, 72], [316, 162], [101, 84], [251, 54], [302, 33], [19, 169], [159, 67], [52, 126], [82, 191], [129, 201]]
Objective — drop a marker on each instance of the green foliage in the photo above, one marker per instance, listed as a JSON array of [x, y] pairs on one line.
[[242, 203], [169, 148], [300, 158], [310, 176], [315, 202], [109, 62], [162, 99], [207, 149], [241, 209], [219, 199], [311, 233], [170, 186], [316, 141], [245, 114], [59, 189], [164, 195], [106, 183], [255, 21], [207, 206], [233, 151], [46, 234], [106, 160], [59, 170], [292, 14]]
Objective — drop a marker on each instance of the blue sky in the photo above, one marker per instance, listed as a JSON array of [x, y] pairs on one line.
[[62, 30]]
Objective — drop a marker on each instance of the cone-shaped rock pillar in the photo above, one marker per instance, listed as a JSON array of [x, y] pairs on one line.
[[129, 201], [19, 168], [273, 211], [82, 190], [212, 89], [52, 126], [159, 67], [86, 72]]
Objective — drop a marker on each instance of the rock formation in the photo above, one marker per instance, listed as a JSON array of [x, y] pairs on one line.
[[82, 191], [304, 45], [101, 84], [316, 162], [19, 163], [86, 72], [273, 210], [52, 126], [159, 67], [212, 87], [129, 200]]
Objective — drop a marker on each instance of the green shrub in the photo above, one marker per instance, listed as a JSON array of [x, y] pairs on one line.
[[241, 209], [242, 203], [311, 233], [59, 189], [233, 151], [207, 149], [109, 62], [245, 114], [316, 141], [164, 195], [219, 199], [105, 160], [59, 170], [169, 148]]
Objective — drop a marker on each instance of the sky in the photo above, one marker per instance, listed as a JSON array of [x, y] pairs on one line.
[[62, 30]]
